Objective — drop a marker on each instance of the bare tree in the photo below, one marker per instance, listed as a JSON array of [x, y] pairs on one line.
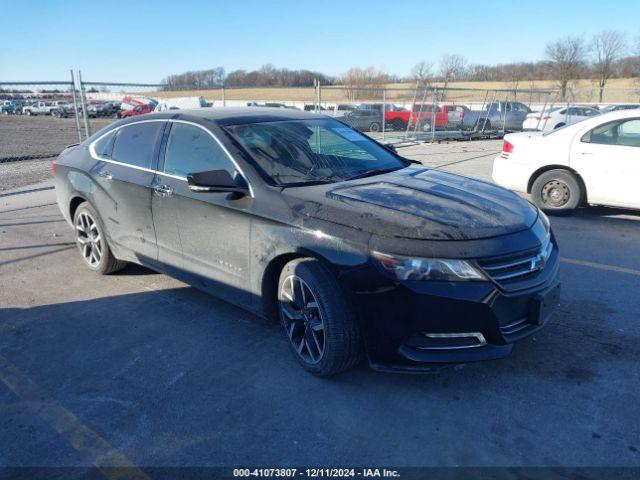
[[606, 48], [364, 82], [566, 57], [451, 68], [421, 73]]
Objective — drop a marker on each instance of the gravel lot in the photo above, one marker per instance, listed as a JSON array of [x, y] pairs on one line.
[[40, 138]]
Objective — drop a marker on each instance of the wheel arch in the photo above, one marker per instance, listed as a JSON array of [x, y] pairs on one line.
[[271, 277], [546, 168], [74, 203]]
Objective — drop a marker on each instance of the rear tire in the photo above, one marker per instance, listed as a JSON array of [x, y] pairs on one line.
[[557, 192], [319, 319], [375, 127], [92, 241]]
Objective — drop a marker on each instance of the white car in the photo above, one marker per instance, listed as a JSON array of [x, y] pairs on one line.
[[557, 117], [596, 161]]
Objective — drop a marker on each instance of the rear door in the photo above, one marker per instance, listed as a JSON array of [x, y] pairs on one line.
[[206, 235], [608, 159], [125, 171]]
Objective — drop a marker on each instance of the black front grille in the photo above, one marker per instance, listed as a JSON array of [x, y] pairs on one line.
[[512, 269]]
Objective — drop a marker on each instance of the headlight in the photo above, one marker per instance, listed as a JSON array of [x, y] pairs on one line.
[[545, 220], [421, 269]]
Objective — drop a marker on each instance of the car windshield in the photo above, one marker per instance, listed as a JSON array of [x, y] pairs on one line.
[[303, 152]]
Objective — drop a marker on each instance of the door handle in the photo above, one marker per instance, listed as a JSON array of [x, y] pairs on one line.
[[586, 153], [106, 174], [163, 190]]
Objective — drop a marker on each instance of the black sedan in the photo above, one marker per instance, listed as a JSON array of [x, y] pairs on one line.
[[300, 218]]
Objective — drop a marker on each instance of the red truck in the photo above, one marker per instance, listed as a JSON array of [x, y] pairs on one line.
[[138, 110], [422, 115]]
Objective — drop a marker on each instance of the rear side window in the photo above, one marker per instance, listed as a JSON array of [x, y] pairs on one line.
[[624, 133], [135, 144], [191, 150], [104, 146]]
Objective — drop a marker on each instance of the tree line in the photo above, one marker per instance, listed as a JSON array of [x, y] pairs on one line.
[[604, 56]]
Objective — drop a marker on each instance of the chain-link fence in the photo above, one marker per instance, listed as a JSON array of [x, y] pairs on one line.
[[38, 119]]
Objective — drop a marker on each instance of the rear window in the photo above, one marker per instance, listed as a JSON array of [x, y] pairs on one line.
[[136, 144]]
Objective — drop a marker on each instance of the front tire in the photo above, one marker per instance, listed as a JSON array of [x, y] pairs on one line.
[[92, 242], [319, 319], [557, 192], [375, 127]]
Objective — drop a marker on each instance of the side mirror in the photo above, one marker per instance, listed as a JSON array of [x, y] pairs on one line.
[[388, 146], [217, 181]]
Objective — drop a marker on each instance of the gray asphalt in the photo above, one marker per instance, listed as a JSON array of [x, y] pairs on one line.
[[139, 369]]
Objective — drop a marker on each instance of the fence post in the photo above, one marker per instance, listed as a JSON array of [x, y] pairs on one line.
[[85, 109], [224, 101], [384, 109], [75, 107]]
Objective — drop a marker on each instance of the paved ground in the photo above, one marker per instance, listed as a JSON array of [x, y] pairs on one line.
[[137, 368]]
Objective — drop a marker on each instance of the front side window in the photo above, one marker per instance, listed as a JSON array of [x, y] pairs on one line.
[[135, 144], [629, 133], [312, 151], [190, 149]]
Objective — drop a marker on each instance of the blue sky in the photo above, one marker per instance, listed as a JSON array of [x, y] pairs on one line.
[[143, 41]]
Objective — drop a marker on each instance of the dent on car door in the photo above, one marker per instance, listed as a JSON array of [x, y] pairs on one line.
[[204, 235], [608, 159], [125, 171]]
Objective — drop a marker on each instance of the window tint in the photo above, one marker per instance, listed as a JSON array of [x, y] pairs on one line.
[[302, 151], [104, 146], [629, 133], [135, 144], [624, 133], [190, 150]]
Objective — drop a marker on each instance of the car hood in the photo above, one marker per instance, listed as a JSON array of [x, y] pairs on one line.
[[416, 203]]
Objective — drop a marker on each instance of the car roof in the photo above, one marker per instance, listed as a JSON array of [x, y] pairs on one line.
[[233, 115]]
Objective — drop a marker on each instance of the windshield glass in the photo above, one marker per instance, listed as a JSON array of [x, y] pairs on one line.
[[298, 152]]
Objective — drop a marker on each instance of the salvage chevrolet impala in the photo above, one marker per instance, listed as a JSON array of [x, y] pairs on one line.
[[298, 217]]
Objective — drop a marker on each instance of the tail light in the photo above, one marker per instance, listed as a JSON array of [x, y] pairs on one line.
[[507, 148], [54, 166]]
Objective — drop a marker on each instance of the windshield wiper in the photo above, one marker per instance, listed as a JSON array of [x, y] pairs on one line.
[[371, 173], [305, 183]]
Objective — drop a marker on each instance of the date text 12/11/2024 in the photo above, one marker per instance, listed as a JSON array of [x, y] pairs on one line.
[[315, 473]]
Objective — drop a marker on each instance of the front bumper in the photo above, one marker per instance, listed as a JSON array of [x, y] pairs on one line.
[[412, 326]]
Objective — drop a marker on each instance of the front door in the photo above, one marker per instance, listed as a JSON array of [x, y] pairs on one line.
[[608, 159], [203, 234]]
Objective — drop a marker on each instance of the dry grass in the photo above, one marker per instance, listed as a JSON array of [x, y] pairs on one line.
[[618, 90]]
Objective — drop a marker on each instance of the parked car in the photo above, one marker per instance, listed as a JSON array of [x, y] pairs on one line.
[[615, 108], [63, 110], [592, 162], [298, 217], [39, 108], [364, 120], [557, 117], [137, 110], [422, 116], [7, 107], [102, 109], [180, 103], [496, 116]]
